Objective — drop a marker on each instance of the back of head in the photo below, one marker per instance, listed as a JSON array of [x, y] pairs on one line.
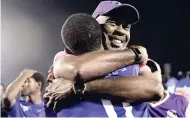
[[39, 77], [81, 33]]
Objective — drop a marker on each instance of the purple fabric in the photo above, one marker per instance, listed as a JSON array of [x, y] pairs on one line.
[[92, 106], [25, 109], [174, 104], [171, 84], [183, 87]]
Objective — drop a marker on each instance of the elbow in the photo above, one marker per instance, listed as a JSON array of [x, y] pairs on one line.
[[6, 100], [66, 71], [6, 97], [157, 91]]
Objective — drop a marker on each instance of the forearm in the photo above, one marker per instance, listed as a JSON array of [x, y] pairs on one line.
[[102, 63], [12, 90], [94, 64], [136, 88]]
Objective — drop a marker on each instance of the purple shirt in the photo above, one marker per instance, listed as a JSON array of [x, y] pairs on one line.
[[171, 84], [183, 87], [25, 109], [171, 105], [94, 106]]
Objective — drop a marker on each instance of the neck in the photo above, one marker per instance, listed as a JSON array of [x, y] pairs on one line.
[[35, 98], [68, 51]]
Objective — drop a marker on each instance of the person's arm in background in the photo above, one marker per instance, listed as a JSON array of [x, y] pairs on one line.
[[94, 64], [9, 97]]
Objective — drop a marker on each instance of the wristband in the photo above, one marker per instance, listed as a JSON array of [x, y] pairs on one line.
[[79, 88], [137, 53]]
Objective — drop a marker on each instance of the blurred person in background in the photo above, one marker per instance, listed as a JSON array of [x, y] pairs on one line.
[[180, 75], [2, 91], [30, 83], [170, 82], [183, 86], [170, 105], [188, 74]]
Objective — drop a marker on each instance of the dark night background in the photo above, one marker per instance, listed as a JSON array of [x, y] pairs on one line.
[[30, 32]]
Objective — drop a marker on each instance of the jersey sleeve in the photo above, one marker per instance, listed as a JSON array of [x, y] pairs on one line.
[[184, 104], [14, 111]]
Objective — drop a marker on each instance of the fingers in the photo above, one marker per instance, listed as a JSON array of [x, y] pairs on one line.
[[57, 94], [143, 56], [50, 69], [50, 77], [58, 89], [50, 102], [28, 73]]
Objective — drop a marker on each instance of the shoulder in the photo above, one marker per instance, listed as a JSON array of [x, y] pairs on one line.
[[16, 107], [178, 98], [180, 101], [60, 55], [171, 81], [184, 82]]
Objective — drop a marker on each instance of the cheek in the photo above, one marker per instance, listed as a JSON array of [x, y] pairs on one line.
[[127, 34], [109, 29], [26, 84], [29, 87], [32, 86]]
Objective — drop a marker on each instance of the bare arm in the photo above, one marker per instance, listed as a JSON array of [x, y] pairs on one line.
[[93, 64], [145, 87], [14, 88], [130, 89]]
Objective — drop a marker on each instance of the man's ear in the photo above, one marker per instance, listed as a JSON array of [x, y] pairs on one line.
[[40, 84]]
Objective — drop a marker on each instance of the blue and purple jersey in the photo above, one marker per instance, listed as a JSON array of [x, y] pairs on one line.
[[171, 84], [94, 106], [25, 109], [183, 87], [171, 106]]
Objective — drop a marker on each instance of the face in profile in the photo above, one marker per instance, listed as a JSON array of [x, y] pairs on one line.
[[30, 86], [116, 34]]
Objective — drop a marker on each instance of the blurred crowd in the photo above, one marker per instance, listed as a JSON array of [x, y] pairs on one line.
[[176, 83], [179, 84]]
